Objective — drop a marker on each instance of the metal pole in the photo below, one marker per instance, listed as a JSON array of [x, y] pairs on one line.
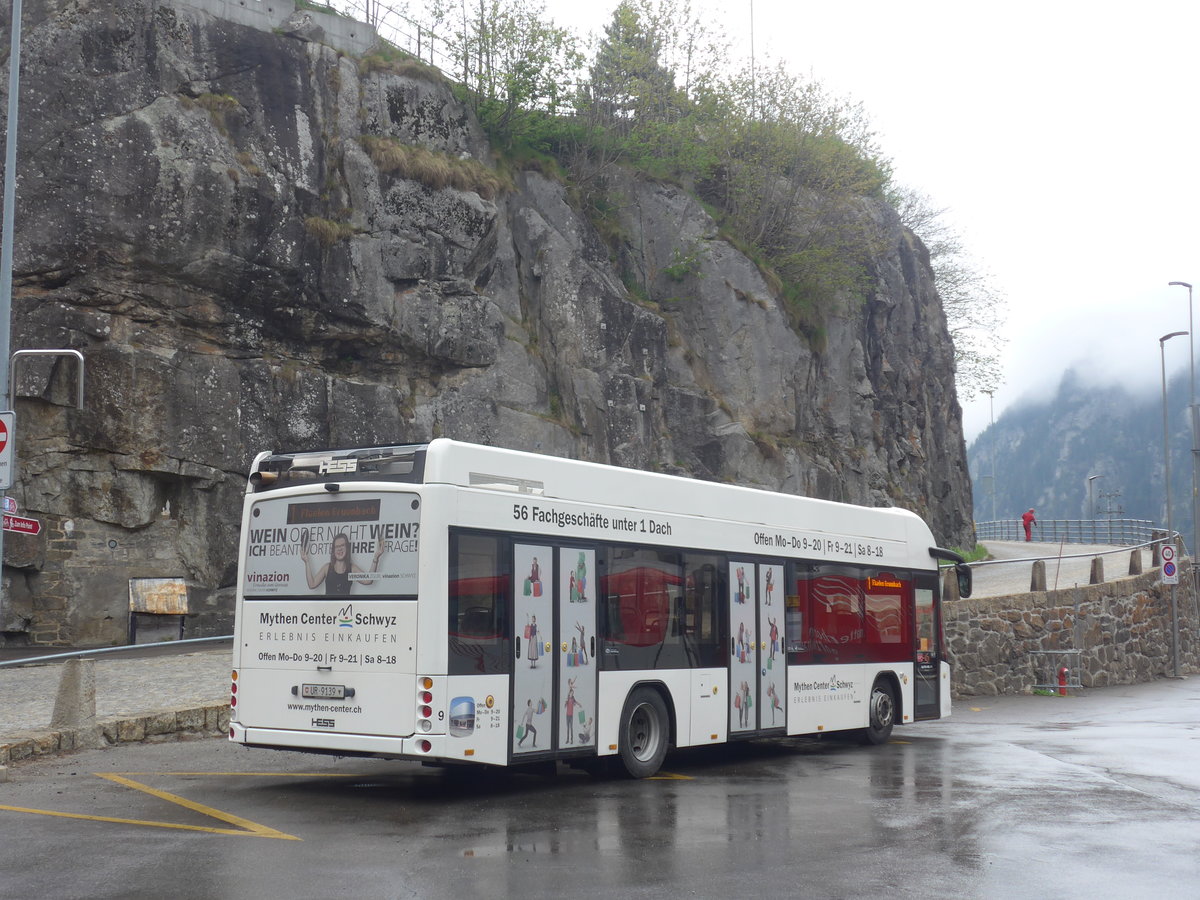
[[992, 413], [1162, 341], [6, 234], [1092, 502], [1195, 423]]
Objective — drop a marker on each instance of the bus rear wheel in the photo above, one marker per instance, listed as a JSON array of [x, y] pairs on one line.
[[644, 733], [881, 713]]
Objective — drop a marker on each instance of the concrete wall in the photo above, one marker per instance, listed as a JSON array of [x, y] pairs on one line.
[[1122, 630], [339, 32]]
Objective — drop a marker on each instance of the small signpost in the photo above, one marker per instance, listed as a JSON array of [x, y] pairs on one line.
[[1170, 571], [22, 525]]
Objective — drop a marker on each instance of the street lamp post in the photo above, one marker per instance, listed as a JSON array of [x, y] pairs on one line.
[[1092, 502], [1192, 420], [992, 413], [6, 231], [1167, 477]]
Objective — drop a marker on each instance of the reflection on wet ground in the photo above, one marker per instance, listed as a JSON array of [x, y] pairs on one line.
[[1091, 796]]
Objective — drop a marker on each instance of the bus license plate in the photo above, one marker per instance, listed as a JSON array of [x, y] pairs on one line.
[[323, 691]]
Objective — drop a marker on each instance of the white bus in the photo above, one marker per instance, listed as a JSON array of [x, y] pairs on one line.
[[454, 603]]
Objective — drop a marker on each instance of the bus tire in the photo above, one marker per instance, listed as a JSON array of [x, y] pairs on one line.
[[645, 733], [881, 713]]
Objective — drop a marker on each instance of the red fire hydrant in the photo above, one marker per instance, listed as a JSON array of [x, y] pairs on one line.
[[1062, 681]]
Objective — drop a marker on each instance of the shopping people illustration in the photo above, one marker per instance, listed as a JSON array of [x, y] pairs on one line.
[[533, 643], [570, 706], [743, 703], [581, 577], [527, 728], [775, 704], [582, 657]]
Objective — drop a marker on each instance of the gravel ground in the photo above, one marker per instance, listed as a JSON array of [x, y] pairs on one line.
[[124, 687], [1067, 565]]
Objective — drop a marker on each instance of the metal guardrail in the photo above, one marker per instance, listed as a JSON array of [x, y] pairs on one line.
[[37, 660], [1050, 557], [1119, 532]]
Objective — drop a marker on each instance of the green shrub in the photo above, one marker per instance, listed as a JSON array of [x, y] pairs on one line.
[[434, 170], [328, 232]]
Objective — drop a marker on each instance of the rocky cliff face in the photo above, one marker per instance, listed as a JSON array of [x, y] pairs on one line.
[[199, 215]]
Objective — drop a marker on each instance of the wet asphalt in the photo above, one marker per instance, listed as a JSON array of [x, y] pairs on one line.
[[1088, 796]]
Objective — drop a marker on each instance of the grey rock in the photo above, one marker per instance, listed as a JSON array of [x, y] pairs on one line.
[[199, 216]]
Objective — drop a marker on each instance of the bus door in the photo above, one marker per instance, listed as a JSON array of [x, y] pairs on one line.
[[926, 668], [744, 697], [772, 663], [533, 649], [575, 651]]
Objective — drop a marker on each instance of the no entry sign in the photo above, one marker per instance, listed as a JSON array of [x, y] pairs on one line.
[[8, 422]]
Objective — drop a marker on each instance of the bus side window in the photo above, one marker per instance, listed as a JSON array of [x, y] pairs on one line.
[[700, 620], [478, 600], [797, 617], [836, 615], [886, 622], [643, 589]]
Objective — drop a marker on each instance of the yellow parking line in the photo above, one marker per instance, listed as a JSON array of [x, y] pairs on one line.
[[250, 827], [151, 823], [670, 776], [245, 828], [240, 774]]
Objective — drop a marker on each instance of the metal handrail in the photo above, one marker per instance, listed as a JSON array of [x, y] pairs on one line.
[[1072, 531], [35, 660], [1093, 553]]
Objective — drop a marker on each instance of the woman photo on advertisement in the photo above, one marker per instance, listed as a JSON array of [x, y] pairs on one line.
[[335, 574]]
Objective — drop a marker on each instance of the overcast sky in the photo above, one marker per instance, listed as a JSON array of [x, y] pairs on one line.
[[1061, 136]]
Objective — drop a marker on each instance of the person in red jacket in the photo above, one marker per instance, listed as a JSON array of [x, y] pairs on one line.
[[1029, 520]]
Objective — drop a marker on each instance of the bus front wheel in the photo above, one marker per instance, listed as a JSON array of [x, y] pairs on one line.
[[645, 732], [881, 714]]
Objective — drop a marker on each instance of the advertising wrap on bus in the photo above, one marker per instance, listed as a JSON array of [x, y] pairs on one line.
[[346, 545]]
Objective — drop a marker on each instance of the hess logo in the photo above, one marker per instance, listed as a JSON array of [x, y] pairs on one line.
[[322, 723]]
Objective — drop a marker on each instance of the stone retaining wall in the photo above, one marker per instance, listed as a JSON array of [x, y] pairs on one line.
[[211, 720], [1122, 630]]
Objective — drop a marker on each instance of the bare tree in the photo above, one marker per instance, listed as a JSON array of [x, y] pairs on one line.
[[974, 305]]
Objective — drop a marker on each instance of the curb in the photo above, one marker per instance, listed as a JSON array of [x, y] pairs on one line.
[[208, 720]]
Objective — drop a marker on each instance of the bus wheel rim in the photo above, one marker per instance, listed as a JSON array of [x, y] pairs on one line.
[[643, 732]]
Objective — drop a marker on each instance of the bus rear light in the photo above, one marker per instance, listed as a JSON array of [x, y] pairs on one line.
[[426, 725], [233, 688], [426, 697], [233, 701], [426, 712], [425, 746], [426, 683], [234, 675]]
